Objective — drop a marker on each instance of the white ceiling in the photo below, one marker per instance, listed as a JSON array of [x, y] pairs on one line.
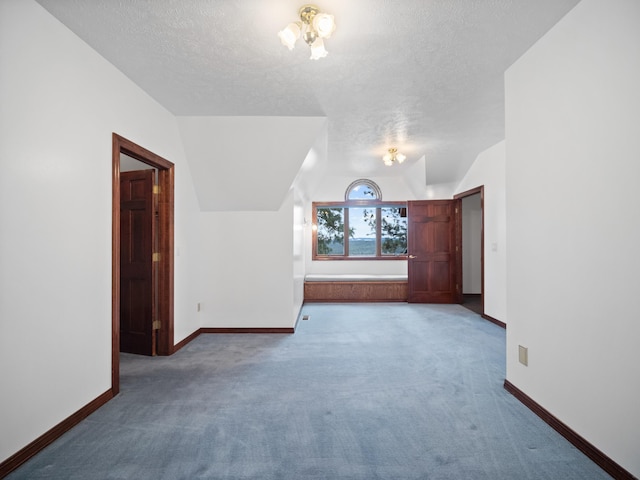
[[423, 75]]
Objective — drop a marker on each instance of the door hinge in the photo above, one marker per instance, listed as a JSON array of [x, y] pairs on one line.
[[157, 324], [457, 287], [155, 257], [456, 209], [156, 189]]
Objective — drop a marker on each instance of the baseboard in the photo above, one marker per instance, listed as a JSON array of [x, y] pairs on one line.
[[603, 461], [494, 320], [13, 462], [185, 341], [247, 330], [357, 300]]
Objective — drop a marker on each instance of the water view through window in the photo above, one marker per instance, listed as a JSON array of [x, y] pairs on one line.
[[360, 227]]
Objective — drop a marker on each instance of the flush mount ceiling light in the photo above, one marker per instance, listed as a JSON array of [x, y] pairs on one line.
[[314, 27], [392, 156]]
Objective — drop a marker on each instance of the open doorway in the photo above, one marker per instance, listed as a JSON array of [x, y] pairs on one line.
[[472, 221], [123, 153]]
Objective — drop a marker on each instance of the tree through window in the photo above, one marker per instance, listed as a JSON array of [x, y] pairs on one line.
[[361, 227]]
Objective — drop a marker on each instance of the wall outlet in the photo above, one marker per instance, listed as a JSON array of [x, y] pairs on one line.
[[523, 355]]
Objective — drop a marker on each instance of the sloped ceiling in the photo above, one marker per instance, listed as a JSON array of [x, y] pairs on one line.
[[246, 163], [423, 75], [313, 168]]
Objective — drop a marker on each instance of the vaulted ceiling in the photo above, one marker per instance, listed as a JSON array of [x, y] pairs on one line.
[[425, 76]]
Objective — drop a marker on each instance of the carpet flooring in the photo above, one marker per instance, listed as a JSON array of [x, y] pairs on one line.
[[368, 391]]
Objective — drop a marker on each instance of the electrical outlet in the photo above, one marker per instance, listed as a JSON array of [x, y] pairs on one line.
[[523, 355]]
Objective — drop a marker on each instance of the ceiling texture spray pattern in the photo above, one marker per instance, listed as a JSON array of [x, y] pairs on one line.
[[425, 76]]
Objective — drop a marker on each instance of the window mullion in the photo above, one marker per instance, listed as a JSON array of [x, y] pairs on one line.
[[346, 232], [378, 232]]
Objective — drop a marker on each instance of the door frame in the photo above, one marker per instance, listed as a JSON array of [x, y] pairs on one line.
[[166, 184], [460, 196]]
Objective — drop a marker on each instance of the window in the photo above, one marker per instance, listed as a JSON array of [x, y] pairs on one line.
[[374, 229], [363, 190]]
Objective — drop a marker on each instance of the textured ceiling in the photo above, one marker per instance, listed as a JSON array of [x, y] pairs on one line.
[[423, 75]]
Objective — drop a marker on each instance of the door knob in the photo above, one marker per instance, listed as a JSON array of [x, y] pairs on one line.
[[412, 256]]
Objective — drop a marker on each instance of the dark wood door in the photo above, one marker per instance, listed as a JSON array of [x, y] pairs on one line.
[[432, 263], [137, 214]]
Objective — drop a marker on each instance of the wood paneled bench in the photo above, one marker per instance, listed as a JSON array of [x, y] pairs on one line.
[[355, 288]]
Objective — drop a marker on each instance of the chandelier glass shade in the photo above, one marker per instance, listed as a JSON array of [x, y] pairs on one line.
[[392, 156], [314, 26]]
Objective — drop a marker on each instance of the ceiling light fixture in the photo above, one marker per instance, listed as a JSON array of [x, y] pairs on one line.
[[314, 27], [392, 156]]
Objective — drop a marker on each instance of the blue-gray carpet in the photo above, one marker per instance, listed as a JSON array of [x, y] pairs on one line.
[[372, 391]]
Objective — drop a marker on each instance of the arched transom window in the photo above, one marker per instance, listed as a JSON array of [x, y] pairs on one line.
[[363, 189]]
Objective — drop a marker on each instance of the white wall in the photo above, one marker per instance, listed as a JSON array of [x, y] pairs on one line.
[[471, 244], [418, 179], [489, 170], [573, 150], [60, 103], [304, 188], [252, 266], [247, 268], [299, 250]]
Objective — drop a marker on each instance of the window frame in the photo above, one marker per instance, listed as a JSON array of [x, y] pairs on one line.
[[370, 184], [378, 205]]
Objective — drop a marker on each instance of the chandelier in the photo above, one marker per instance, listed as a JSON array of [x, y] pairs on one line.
[[314, 27], [392, 156]]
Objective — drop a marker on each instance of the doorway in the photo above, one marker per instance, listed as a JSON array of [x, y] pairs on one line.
[[472, 225], [162, 255]]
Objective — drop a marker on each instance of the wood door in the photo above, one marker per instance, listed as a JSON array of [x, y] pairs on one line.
[[432, 243], [137, 234]]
